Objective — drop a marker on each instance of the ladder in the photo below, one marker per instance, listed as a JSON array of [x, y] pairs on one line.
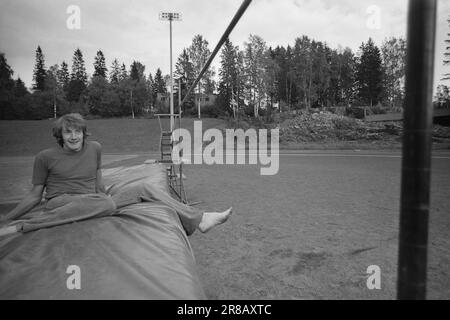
[[174, 169]]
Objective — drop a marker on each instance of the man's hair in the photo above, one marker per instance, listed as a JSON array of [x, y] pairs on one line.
[[71, 120]]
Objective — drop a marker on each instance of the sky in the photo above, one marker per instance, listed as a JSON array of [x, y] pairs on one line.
[[131, 30]]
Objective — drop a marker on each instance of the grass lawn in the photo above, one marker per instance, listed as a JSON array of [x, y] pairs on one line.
[[23, 138]]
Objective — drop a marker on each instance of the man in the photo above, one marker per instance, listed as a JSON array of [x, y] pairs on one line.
[[70, 174]]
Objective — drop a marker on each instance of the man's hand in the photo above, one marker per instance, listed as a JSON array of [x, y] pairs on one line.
[[99, 186]]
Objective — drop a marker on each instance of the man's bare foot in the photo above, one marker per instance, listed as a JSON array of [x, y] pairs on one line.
[[212, 219]]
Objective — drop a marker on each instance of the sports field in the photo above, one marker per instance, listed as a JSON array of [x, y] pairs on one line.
[[309, 232]]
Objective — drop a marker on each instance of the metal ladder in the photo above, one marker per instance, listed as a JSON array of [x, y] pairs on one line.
[[174, 170]]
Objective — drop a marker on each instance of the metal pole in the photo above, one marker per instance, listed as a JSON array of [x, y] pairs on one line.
[[171, 80], [131, 101], [54, 103], [179, 96], [227, 32], [416, 159]]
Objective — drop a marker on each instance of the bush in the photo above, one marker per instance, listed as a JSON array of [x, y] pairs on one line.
[[212, 111], [355, 112]]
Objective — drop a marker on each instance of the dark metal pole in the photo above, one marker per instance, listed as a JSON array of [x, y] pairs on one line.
[[416, 160], [227, 32]]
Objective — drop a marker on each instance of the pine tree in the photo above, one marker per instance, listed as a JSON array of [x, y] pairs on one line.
[[20, 90], [369, 73], [228, 75], [78, 77], [123, 73], [39, 71], [21, 102], [6, 88], [63, 76], [78, 68], [160, 84], [114, 74], [100, 69], [6, 81]]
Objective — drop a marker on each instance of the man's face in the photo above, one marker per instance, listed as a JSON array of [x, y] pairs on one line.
[[73, 138]]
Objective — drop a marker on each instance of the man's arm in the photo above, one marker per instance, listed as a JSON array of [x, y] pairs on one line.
[[99, 186], [32, 199]]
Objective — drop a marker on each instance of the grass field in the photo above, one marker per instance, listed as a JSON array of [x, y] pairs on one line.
[[309, 232], [20, 138]]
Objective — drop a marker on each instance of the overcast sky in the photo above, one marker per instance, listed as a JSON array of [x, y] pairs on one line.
[[131, 30]]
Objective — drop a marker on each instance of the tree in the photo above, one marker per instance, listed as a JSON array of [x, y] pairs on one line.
[[347, 70], [97, 97], [137, 71], [150, 84], [369, 74], [78, 77], [21, 101], [63, 76], [52, 86], [100, 69], [119, 90], [6, 89], [138, 88], [280, 57], [254, 64], [272, 69], [19, 88], [442, 98], [393, 53], [160, 85], [123, 73], [114, 74], [302, 65], [39, 71], [321, 77], [228, 77], [184, 71], [199, 54]]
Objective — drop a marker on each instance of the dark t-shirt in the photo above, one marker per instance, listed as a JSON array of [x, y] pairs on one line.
[[63, 171]]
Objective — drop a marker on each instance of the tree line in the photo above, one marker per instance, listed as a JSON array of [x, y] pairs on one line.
[[56, 91], [310, 74], [254, 81]]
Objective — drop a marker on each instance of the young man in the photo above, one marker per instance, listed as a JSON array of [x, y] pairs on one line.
[[71, 176]]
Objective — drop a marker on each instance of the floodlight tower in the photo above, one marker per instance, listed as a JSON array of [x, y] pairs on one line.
[[171, 16]]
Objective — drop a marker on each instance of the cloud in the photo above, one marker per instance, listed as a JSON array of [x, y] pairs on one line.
[[131, 30]]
